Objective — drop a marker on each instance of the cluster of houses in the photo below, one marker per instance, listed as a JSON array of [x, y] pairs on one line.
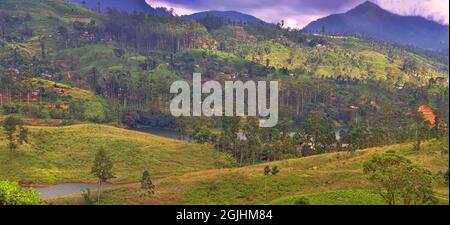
[[65, 106], [35, 96], [20, 96]]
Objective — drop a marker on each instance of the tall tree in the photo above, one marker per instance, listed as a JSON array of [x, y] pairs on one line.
[[267, 172], [320, 131], [396, 178], [102, 169], [11, 125]]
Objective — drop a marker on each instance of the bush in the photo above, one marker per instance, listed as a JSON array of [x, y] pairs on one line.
[[86, 194], [67, 122], [33, 111], [156, 118], [59, 114], [302, 201], [12, 194], [201, 134], [130, 119], [96, 111], [446, 178], [10, 108]]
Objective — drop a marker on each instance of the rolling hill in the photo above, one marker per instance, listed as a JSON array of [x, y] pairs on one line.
[[334, 178], [370, 20], [66, 154]]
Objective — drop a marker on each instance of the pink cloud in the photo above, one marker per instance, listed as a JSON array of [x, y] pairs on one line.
[[298, 13]]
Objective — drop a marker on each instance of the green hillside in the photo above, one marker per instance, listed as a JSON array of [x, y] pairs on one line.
[[53, 100], [66, 154], [332, 60], [334, 178], [82, 60], [37, 21]]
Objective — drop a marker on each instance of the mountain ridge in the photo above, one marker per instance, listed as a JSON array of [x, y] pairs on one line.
[[230, 16], [370, 20]]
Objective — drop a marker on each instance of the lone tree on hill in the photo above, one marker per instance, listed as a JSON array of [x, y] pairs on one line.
[[11, 126], [397, 179], [102, 169], [267, 171], [147, 184]]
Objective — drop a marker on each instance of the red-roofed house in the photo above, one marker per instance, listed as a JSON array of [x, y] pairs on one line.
[[428, 114]]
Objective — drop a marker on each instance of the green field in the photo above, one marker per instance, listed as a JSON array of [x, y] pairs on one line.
[[334, 178], [66, 154], [342, 197]]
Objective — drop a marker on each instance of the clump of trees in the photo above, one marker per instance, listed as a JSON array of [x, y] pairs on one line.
[[249, 143], [320, 130], [398, 180], [269, 171], [147, 32]]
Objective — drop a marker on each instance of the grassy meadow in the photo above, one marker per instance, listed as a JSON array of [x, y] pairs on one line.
[[333, 178], [66, 154]]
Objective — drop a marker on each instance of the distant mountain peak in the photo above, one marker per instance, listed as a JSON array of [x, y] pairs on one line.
[[370, 20], [366, 7]]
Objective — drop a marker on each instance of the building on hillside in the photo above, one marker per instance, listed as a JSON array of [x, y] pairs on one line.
[[51, 106], [427, 114], [65, 106]]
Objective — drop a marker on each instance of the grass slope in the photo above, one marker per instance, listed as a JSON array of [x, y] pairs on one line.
[[334, 178], [45, 16], [66, 154], [94, 108], [345, 58], [82, 60], [341, 197]]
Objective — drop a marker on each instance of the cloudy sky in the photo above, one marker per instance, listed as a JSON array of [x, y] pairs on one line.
[[298, 13]]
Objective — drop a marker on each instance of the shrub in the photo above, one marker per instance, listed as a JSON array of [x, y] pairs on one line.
[[10, 108], [201, 134], [446, 178], [12, 194], [67, 122], [302, 201], [86, 194], [59, 114], [33, 111]]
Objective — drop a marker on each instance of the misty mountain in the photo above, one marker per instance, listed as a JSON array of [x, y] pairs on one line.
[[370, 20]]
